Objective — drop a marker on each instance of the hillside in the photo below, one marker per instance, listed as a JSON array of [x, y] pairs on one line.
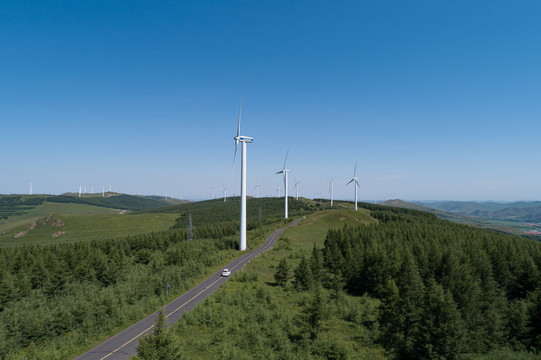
[[472, 207], [379, 283], [213, 211], [501, 225], [116, 201]]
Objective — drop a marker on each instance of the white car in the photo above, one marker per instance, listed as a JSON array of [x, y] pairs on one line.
[[226, 272]]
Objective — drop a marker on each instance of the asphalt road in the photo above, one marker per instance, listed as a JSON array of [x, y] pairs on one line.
[[124, 344]]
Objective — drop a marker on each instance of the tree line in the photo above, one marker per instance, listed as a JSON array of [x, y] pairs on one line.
[[57, 298], [446, 289]]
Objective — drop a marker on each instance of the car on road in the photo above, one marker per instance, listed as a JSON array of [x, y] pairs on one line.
[[226, 272]]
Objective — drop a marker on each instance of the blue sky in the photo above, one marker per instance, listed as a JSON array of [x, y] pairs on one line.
[[432, 99]]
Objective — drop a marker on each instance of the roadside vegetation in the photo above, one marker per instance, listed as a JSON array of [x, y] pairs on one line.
[[395, 283], [57, 300]]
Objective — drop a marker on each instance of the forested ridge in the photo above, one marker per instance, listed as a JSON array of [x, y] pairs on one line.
[[58, 299], [54, 298], [446, 289]]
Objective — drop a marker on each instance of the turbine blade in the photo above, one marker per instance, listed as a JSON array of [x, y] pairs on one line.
[[350, 181], [287, 153], [240, 111], [355, 170]]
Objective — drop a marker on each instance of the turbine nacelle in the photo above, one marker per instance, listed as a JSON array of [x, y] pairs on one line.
[[245, 139]]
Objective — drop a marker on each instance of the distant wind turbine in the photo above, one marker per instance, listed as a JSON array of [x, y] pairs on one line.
[[225, 194], [103, 191], [257, 191], [297, 188], [285, 172], [30, 188], [356, 184], [243, 140], [80, 188], [278, 191]]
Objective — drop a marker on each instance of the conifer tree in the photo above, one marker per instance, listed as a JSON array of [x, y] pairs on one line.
[[303, 275], [159, 345], [316, 264], [441, 329], [282, 272]]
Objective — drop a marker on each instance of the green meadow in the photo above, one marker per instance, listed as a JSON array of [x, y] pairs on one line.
[[251, 317], [68, 222]]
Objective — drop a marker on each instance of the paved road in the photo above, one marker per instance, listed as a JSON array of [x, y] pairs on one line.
[[124, 344]]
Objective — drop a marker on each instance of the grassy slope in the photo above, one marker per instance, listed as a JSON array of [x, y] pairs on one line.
[[81, 222], [501, 226], [220, 337]]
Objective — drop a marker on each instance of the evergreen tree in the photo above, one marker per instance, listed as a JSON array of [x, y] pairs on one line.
[[314, 312], [282, 272], [303, 275], [316, 264], [441, 329], [189, 232], [159, 345]]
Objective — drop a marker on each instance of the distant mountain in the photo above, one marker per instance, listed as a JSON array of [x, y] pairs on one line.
[[513, 211], [455, 216]]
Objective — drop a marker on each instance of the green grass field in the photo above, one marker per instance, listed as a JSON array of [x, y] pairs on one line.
[[80, 223], [250, 314]]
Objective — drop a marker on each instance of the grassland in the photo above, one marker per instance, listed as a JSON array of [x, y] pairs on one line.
[[274, 329], [77, 222]]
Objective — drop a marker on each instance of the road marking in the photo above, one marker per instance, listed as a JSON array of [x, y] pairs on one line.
[[171, 313], [266, 247], [141, 333]]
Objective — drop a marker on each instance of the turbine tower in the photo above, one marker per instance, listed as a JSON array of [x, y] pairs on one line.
[[355, 178], [243, 140], [331, 182], [278, 191], [225, 194], [297, 188], [285, 172], [30, 188], [80, 187], [257, 191]]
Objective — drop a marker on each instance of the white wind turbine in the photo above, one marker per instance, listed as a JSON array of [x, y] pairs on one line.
[[285, 172], [355, 178], [278, 191], [257, 191], [30, 188], [297, 188], [80, 188], [225, 194], [331, 182], [243, 140]]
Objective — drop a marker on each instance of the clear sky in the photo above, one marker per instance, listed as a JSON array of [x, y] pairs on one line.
[[432, 99]]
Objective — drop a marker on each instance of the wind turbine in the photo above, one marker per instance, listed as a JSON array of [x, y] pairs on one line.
[[278, 191], [331, 182], [103, 191], [297, 188], [243, 140], [285, 172], [30, 188], [355, 178], [225, 194], [257, 191], [80, 190]]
